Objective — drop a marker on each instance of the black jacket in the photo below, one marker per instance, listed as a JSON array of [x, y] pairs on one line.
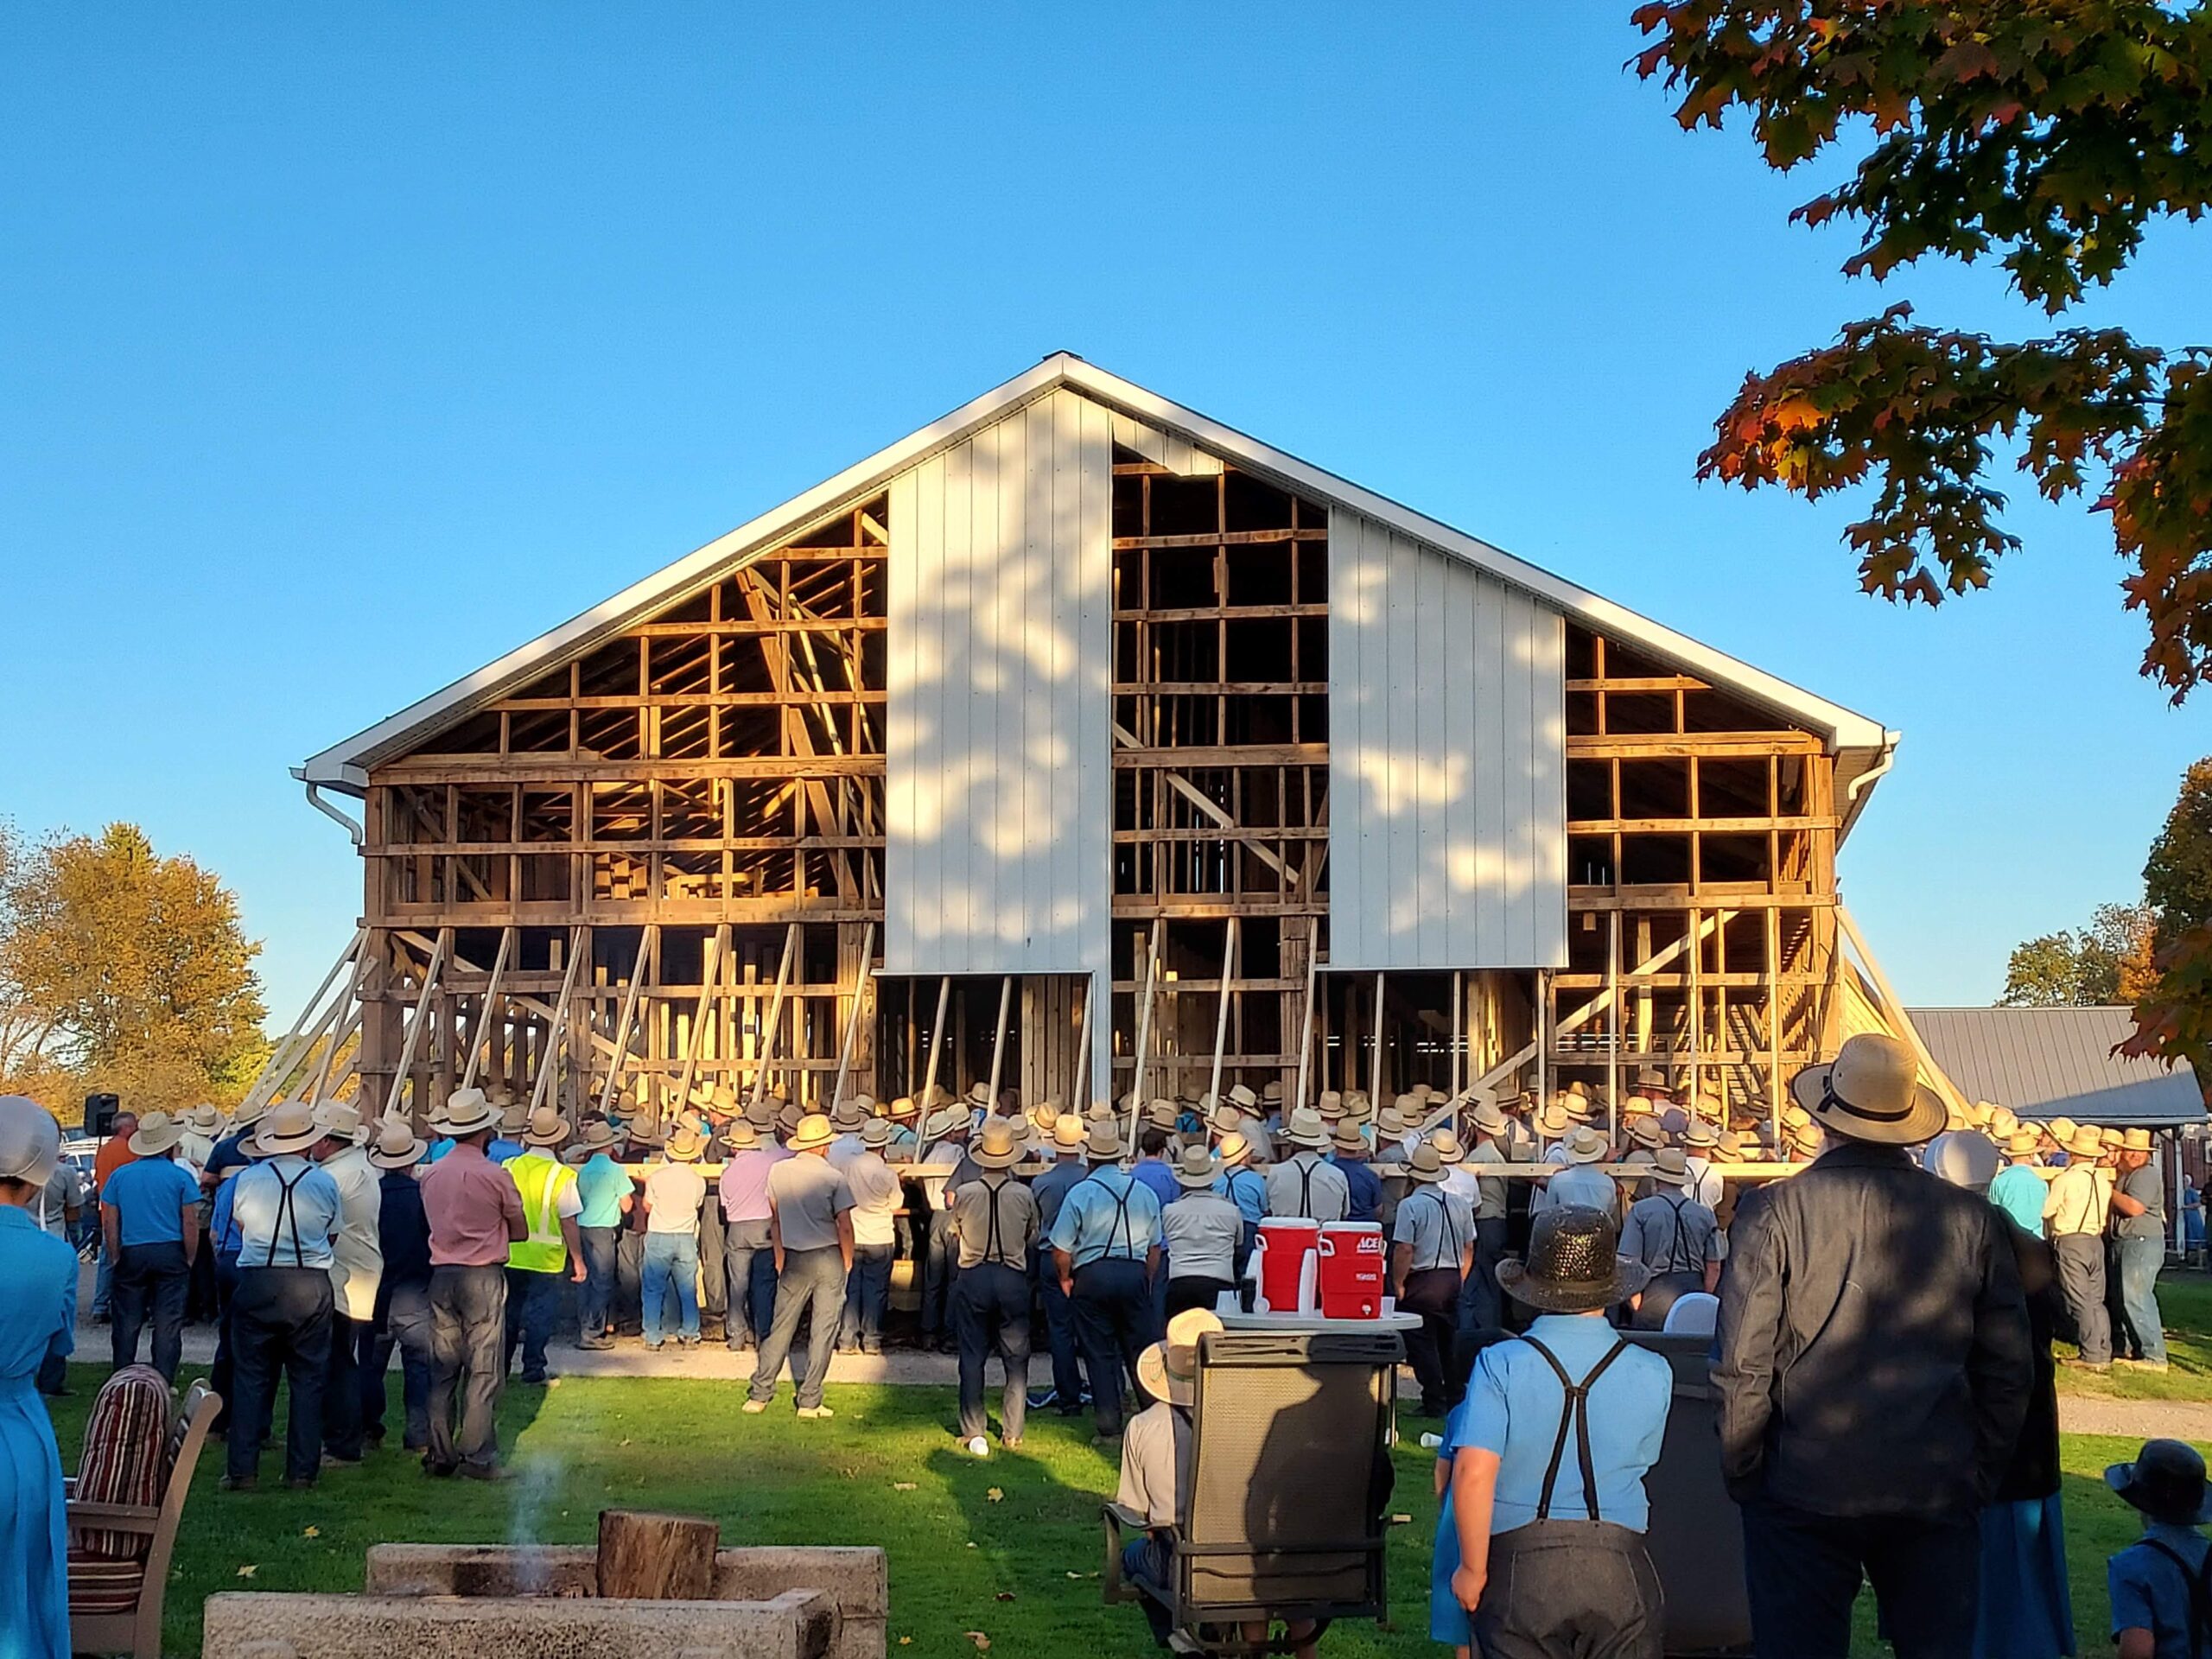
[[1873, 1354]]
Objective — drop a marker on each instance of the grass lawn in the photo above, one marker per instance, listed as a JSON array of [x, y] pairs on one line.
[[1009, 1547], [2186, 1306]]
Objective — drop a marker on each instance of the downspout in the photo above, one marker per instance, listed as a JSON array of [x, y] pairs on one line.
[[315, 800], [1851, 791]]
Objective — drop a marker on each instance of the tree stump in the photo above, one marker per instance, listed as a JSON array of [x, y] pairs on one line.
[[652, 1557]]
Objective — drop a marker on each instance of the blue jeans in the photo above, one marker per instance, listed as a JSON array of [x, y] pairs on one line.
[[406, 1326], [2139, 1261], [749, 1271], [600, 1244], [867, 1293], [1149, 1559], [671, 1263], [533, 1302]]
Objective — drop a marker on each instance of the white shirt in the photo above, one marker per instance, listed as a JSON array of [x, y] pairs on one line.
[[1155, 1456], [875, 1197], [674, 1193], [357, 1248], [1202, 1231], [1705, 1183]]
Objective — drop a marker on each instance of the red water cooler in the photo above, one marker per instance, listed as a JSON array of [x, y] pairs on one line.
[[1285, 1254], [1350, 1276]]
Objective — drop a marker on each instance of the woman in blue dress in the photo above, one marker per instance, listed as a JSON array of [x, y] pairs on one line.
[[36, 1316]]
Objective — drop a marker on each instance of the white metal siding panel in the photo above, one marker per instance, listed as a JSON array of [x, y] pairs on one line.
[[1448, 840], [999, 785]]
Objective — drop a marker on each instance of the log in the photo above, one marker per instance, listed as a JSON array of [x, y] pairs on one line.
[[643, 1555]]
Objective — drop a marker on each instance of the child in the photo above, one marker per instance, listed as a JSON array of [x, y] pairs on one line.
[[2161, 1588], [1540, 1548]]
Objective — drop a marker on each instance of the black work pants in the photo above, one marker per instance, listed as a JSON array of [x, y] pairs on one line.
[[341, 1387], [280, 1321], [1803, 1573], [1434, 1293], [222, 1375], [2081, 1259], [149, 1287], [990, 1310], [1115, 1320], [1059, 1335], [1581, 1587]]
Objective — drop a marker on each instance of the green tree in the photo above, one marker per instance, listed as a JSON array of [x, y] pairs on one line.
[[2103, 963], [2177, 878], [126, 969], [2048, 134]]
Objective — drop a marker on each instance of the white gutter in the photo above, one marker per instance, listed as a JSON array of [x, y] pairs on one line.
[[315, 800]]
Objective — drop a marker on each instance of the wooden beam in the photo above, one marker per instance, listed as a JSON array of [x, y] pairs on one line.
[[488, 1010], [414, 1036], [853, 1018], [548, 1061], [646, 939]]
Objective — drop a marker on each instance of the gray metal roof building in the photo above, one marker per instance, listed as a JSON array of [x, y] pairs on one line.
[[2058, 1063]]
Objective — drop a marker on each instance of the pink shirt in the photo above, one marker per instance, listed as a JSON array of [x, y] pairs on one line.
[[745, 1182], [469, 1200]]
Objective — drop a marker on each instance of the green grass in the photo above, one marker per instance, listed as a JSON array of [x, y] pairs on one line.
[[2186, 1306], [1021, 1566]]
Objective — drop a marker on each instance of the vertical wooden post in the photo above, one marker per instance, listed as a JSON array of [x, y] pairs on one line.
[[1459, 1023], [1374, 1066], [1697, 1002], [414, 1027], [646, 939], [548, 1059], [711, 973], [484, 1010], [774, 1028], [1144, 1012], [998, 1038], [1613, 1020], [1305, 1024], [1221, 1021], [1543, 1037], [1773, 1019], [937, 1040], [1081, 1093], [852, 1020]]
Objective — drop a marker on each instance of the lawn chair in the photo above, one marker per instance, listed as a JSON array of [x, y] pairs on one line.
[[1286, 1512], [119, 1552]]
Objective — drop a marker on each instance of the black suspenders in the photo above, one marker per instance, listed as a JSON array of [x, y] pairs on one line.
[[2198, 1582], [287, 1216], [1675, 1251], [1458, 1246], [1574, 1413], [1120, 1223], [992, 1244]]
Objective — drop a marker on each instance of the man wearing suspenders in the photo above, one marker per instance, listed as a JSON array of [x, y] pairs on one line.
[[1306, 1185], [1106, 1249], [286, 1212], [1432, 1251], [1675, 1236], [994, 1223], [1537, 1550]]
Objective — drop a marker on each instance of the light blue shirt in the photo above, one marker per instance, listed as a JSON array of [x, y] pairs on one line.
[[1107, 1213], [272, 1234], [1248, 1188], [1513, 1407], [2019, 1192], [150, 1196], [2148, 1591], [602, 1184], [1580, 1185]]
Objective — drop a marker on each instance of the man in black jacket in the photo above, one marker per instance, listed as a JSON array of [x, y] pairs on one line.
[[1872, 1375]]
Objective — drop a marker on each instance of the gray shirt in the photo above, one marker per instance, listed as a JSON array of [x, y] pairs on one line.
[[994, 1217], [1202, 1231], [1492, 1207], [1309, 1185], [808, 1194], [2147, 1188], [1437, 1223], [1669, 1234]]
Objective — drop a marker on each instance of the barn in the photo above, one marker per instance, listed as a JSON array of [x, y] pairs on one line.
[[1079, 743]]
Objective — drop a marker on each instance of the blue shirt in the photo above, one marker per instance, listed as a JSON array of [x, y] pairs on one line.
[[404, 1231], [1107, 1213], [1513, 1407], [2148, 1591], [230, 1153], [1156, 1175], [1366, 1186], [2019, 1192], [501, 1149], [601, 1183], [273, 1234], [1248, 1188], [1051, 1191], [222, 1224], [150, 1196]]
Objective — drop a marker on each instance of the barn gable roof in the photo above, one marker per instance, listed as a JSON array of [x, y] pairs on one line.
[[1862, 744]]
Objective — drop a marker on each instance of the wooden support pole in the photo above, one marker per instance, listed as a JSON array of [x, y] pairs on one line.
[[289, 1050], [937, 1040], [1144, 1012], [998, 1038], [1459, 1023], [549, 1060], [1305, 1028], [1774, 1023], [1613, 1023], [415, 1026], [1543, 1036], [775, 1022], [487, 1011], [322, 1076], [1375, 1065], [1081, 1094], [860, 983], [1894, 1011], [1697, 1007], [646, 937], [1221, 1021], [710, 975]]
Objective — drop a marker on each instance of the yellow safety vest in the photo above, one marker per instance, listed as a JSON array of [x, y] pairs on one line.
[[541, 1181]]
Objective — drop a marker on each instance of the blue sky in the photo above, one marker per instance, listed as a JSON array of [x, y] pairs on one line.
[[343, 349]]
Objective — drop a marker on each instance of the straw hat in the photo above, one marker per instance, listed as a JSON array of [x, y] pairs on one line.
[[2086, 1143], [341, 1121], [1647, 1132], [30, 1141], [396, 1146], [1196, 1169], [1553, 1121], [248, 1112], [1669, 1168], [1358, 1107], [1489, 1118], [1242, 1098], [290, 1127], [1729, 1145], [1225, 1120], [2113, 1139], [1272, 1093], [2062, 1129], [1043, 1116], [204, 1119], [1233, 1149], [1169, 1370], [1446, 1146], [1699, 1134], [1574, 1265], [1423, 1164], [1587, 1146], [684, 1147], [2136, 1141], [1068, 1132], [1000, 1145], [1304, 1128], [1103, 1145], [2002, 1123], [813, 1130], [157, 1132], [1795, 1117], [947, 1120], [2022, 1143], [1331, 1105], [1161, 1115], [1349, 1140], [595, 1136], [1388, 1125], [875, 1135], [1638, 1106], [1650, 1077], [514, 1117], [740, 1135], [467, 1112], [761, 1115], [789, 1116], [1574, 1100], [546, 1128], [1871, 1091], [903, 1108], [847, 1115]]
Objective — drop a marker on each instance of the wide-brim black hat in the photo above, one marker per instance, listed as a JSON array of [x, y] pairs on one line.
[[1574, 1264], [2166, 1482]]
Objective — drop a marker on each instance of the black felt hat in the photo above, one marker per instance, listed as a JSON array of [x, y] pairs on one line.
[[1574, 1264], [2166, 1482]]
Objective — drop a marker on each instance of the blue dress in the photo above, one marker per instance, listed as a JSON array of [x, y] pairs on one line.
[[37, 1314]]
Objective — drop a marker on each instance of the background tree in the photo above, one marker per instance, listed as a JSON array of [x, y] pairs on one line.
[[2106, 962], [121, 970], [2175, 1015]]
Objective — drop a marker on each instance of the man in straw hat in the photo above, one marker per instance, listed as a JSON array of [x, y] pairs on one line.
[[605, 1194], [1348, 1152], [1431, 1253], [748, 1252], [1064, 1148], [810, 1228], [1306, 1184], [474, 1213], [401, 1317], [356, 1272], [1540, 1551], [674, 1194], [1892, 1304], [1243, 1186], [1581, 1183], [287, 1212], [150, 1221], [944, 1149], [1106, 1249], [2017, 1190], [1201, 1232], [994, 1223], [1674, 1234], [1156, 1460], [876, 1199], [2077, 1210], [2138, 1250], [553, 1206], [1479, 1306]]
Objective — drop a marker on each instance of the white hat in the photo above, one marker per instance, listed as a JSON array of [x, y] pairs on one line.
[[396, 1146], [289, 1125], [546, 1128], [158, 1132], [1587, 1146], [30, 1141], [467, 1112], [1169, 1369], [813, 1131], [341, 1121], [1306, 1128]]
